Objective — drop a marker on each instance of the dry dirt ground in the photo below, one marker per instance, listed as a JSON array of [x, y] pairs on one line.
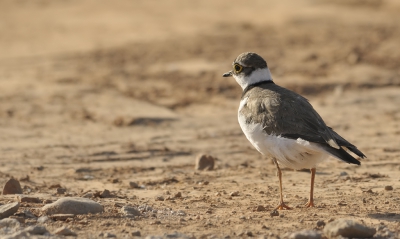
[[94, 95]]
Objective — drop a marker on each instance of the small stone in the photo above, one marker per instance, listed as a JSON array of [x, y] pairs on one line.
[[105, 194], [109, 235], [204, 162], [344, 173], [235, 193], [130, 211], [64, 231], [218, 194], [159, 198], [136, 234], [12, 186], [249, 233], [155, 223], [28, 199], [61, 190], [260, 208], [73, 205], [320, 223], [364, 200], [61, 217], [348, 228], [133, 185], [88, 195], [388, 188], [274, 213], [178, 195], [36, 230], [43, 219], [8, 209], [305, 234], [29, 214], [9, 222]]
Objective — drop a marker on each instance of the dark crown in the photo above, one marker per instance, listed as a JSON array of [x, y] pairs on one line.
[[250, 59]]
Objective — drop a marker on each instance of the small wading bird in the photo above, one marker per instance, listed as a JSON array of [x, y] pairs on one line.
[[282, 124]]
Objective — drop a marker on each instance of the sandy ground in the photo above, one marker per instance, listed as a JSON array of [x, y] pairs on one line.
[[95, 95]]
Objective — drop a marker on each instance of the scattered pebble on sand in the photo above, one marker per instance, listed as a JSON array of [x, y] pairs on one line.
[[8, 209], [204, 162], [73, 205], [12, 186], [348, 228]]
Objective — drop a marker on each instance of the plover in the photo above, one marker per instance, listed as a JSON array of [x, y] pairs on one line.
[[282, 124]]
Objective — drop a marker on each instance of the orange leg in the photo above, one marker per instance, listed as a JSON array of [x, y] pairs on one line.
[[281, 205], [310, 202]]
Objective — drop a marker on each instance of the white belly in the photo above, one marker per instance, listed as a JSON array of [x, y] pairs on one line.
[[295, 154]]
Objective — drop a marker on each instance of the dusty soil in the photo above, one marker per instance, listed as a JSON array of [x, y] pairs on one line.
[[97, 95]]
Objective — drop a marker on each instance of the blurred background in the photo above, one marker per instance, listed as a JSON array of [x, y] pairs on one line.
[[128, 85]]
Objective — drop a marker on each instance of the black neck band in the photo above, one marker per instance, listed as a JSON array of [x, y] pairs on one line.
[[249, 87]]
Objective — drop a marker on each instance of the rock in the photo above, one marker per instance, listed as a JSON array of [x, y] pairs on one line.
[[9, 222], [130, 211], [105, 194], [20, 219], [61, 190], [73, 205], [388, 188], [234, 194], [29, 214], [274, 213], [260, 208], [43, 219], [159, 198], [136, 234], [8, 209], [204, 162], [12, 186], [29, 199], [305, 234], [178, 195], [64, 231], [320, 223], [36, 230], [61, 217], [88, 195], [348, 228], [109, 235], [133, 185]]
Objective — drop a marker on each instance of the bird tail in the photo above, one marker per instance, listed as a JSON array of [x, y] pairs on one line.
[[344, 155]]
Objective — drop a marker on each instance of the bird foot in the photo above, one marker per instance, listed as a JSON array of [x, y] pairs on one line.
[[283, 206], [310, 203]]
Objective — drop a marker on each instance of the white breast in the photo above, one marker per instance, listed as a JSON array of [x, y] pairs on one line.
[[295, 154]]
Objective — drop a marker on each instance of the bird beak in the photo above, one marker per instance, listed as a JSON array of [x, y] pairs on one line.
[[227, 74]]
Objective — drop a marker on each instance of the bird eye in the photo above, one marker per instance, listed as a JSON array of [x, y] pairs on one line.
[[238, 68]]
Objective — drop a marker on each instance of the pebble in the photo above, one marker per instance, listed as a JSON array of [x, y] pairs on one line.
[[130, 211], [88, 195], [388, 188], [204, 162], [235, 193], [8, 209], [29, 214], [305, 234], [105, 194], [61, 217], [28, 199], [12, 186], [260, 208], [274, 213], [109, 235], [18, 218], [159, 198], [133, 185], [36, 230], [64, 231], [61, 190], [178, 195], [73, 205], [320, 223], [43, 219], [9, 222], [348, 228], [136, 234]]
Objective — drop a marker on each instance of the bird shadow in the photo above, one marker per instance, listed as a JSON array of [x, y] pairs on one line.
[[388, 216]]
